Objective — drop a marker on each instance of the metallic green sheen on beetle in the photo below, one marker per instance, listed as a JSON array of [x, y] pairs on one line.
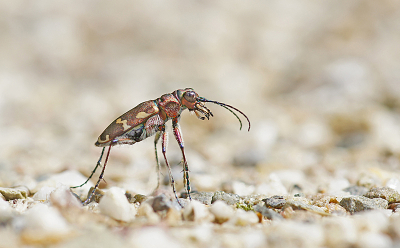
[[149, 118]]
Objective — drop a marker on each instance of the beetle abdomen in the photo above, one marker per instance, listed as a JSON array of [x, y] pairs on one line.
[[131, 119]]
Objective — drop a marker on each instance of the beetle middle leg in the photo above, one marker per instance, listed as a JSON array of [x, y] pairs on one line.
[[178, 137], [164, 151]]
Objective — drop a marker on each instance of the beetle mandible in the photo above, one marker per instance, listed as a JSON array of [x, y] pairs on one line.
[[149, 118]]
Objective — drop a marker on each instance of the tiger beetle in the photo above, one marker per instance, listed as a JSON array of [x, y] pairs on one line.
[[149, 118]]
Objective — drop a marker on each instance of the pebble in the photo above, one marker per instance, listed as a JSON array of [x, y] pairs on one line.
[[221, 211], [295, 234], [152, 237], [386, 193], [204, 197], [268, 213], [6, 212], [275, 201], [197, 212], [272, 186], [146, 210], [115, 205], [356, 190], [43, 225], [372, 221], [368, 181], [228, 198], [393, 183], [138, 198], [43, 194], [297, 204], [336, 209], [360, 203], [339, 231], [161, 203], [374, 240], [243, 218], [13, 193], [69, 178], [63, 198], [242, 189]]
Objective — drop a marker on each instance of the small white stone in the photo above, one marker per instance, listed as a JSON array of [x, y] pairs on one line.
[[393, 183], [196, 211], [146, 210], [63, 197], [221, 211], [69, 178], [297, 234], [243, 218], [273, 186], [337, 185], [242, 189], [42, 223], [372, 221], [206, 182], [288, 177], [43, 193], [115, 204], [153, 237], [374, 240], [340, 231], [6, 211], [200, 234]]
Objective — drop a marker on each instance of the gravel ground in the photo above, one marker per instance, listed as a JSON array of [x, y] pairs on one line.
[[318, 80]]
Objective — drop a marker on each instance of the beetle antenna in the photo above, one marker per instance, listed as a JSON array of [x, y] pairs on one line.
[[228, 107]]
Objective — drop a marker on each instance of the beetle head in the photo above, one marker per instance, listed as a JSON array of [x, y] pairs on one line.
[[189, 99], [192, 101]]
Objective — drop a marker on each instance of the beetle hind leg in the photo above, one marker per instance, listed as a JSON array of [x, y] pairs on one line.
[[179, 139], [91, 194], [164, 151]]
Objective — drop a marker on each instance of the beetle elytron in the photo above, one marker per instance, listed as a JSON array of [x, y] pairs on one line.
[[149, 118]]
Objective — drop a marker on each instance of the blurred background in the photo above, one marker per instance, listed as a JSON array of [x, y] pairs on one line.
[[318, 80]]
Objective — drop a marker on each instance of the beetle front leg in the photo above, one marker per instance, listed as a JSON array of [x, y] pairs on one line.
[[94, 170], [164, 151], [178, 137]]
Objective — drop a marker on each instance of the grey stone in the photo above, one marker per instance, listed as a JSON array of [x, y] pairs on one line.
[[356, 190], [386, 193], [203, 197], [275, 201], [228, 198], [268, 213], [355, 204], [161, 203]]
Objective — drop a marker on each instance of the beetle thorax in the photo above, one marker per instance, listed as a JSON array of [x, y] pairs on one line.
[[170, 105]]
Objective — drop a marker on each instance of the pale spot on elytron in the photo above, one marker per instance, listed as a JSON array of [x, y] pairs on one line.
[[155, 108], [142, 115], [102, 141], [124, 123]]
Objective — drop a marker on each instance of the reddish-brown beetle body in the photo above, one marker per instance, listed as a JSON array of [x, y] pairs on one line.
[[149, 118]]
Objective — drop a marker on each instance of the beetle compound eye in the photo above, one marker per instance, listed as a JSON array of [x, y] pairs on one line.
[[190, 96]]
